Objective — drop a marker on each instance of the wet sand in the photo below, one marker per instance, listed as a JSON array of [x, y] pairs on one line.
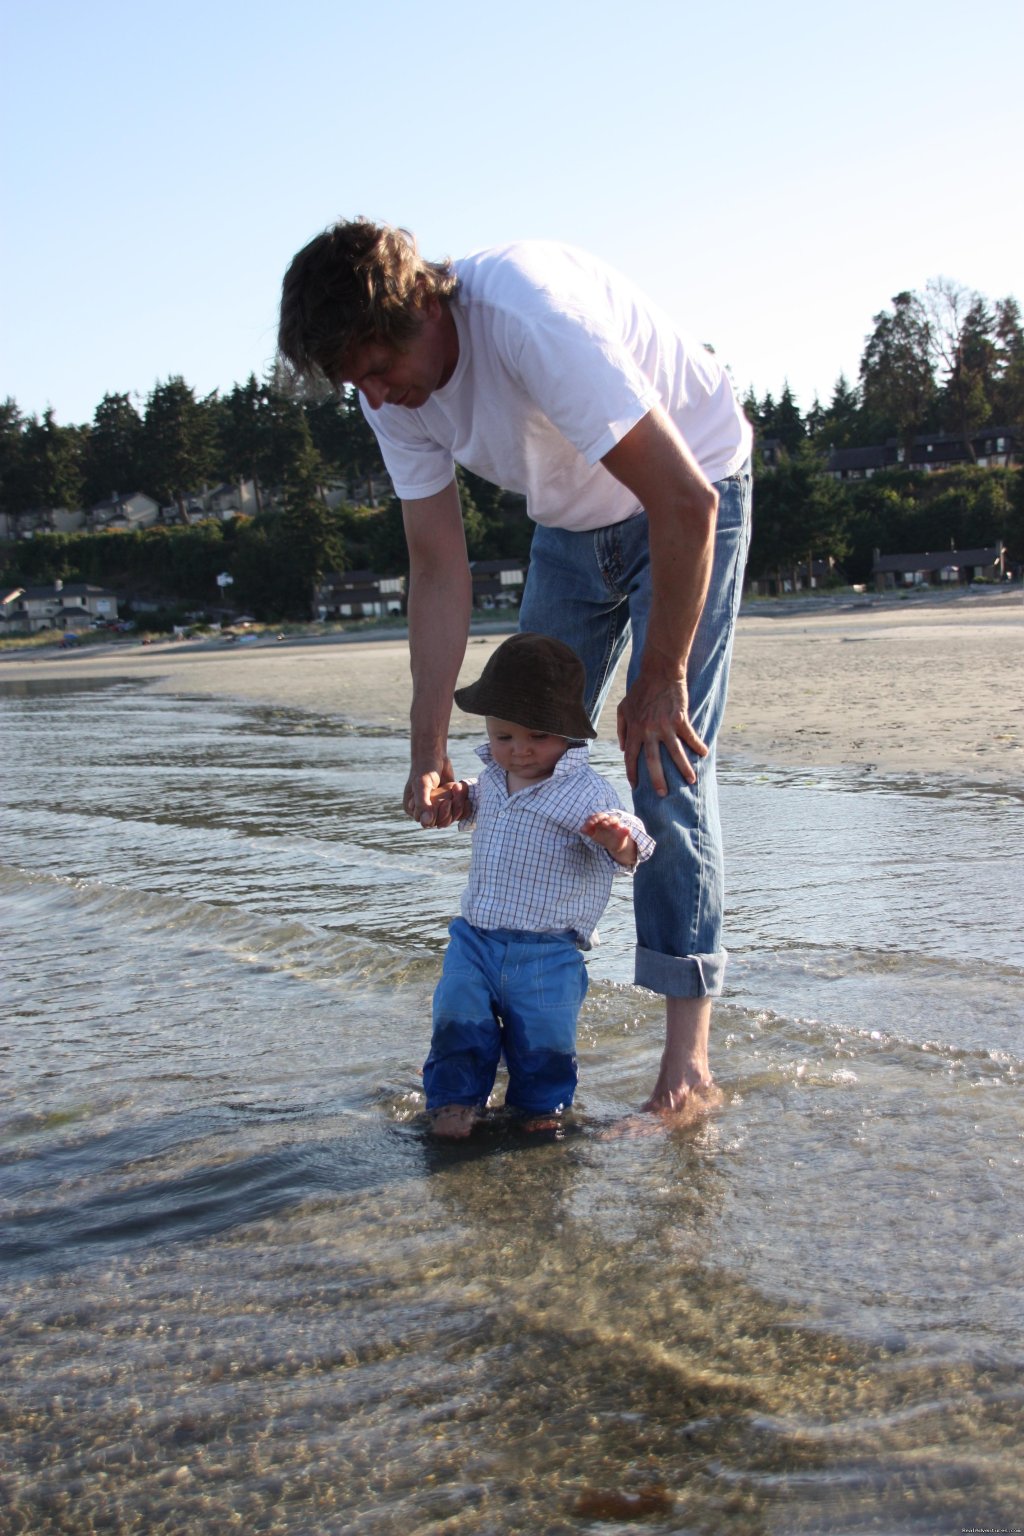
[[926, 685]]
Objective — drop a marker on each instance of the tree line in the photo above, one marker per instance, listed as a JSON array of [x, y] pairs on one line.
[[292, 445], [945, 360], [941, 361], [266, 432]]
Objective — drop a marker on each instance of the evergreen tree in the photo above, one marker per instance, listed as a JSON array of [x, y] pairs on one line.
[[813, 420], [178, 442], [12, 425], [311, 542], [495, 521], [51, 464], [281, 558], [752, 408], [1008, 380], [386, 546], [801, 517], [786, 424], [243, 427], [285, 444], [331, 426], [960, 329], [361, 462], [114, 451], [839, 424], [897, 381]]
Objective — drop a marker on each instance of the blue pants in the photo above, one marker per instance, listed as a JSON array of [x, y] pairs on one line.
[[506, 990], [592, 590]]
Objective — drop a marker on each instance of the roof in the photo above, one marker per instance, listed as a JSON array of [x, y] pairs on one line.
[[353, 581], [119, 501], [882, 456], [942, 446], [69, 589], [493, 567], [937, 562]]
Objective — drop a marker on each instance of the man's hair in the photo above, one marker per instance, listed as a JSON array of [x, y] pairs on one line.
[[357, 282]]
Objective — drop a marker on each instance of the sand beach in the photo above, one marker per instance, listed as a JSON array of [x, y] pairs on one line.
[[928, 684]]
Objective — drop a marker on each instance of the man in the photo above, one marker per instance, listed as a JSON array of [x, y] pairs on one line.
[[542, 370]]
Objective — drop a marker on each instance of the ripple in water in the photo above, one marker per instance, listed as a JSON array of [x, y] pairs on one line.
[[243, 1289]]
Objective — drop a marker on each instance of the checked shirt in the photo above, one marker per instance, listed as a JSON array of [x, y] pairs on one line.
[[530, 866]]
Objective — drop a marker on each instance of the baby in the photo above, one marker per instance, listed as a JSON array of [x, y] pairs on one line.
[[548, 834]]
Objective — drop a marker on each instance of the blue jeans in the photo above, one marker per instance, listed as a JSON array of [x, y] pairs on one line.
[[506, 990], [592, 590]]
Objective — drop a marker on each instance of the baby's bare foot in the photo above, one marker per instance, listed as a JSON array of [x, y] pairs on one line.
[[455, 1121], [551, 1122]]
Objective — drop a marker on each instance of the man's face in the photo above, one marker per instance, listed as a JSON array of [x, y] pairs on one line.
[[388, 375]]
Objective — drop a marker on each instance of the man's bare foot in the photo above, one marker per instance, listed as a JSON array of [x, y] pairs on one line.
[[674, 1114], [684, 1090], [685, 1104], [454, 1121]]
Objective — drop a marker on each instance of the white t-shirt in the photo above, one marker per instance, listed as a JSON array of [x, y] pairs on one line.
[[559, 356]]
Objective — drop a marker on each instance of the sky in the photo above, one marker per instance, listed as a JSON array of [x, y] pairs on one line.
[[772, 175]]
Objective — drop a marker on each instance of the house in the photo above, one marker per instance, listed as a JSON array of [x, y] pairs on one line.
[[993, 448], [72, 607], [814, 574], [360, 595], [497, 583], [373, 490], [136, 510], [861, 463], [944, 568], [67, 520], [996, 447], [8, 604], [230, 499], [32, 520]]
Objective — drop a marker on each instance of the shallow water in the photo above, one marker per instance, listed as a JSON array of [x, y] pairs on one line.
[[243, 1289]]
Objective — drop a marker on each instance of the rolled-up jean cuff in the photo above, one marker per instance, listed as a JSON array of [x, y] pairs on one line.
[[673, 976]]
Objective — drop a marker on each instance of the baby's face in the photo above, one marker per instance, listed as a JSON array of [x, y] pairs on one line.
[[526, 754]]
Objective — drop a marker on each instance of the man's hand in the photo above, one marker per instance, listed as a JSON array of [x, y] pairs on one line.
[[654, 462], [440, 603], [654, 713], [449, 802], [422, 785]]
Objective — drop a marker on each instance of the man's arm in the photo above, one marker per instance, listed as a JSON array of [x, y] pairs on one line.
[[653, 461], [440, 604]]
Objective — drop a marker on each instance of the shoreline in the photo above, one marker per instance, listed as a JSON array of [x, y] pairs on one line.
[[928, 685]]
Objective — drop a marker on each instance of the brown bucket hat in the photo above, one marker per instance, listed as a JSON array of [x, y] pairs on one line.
[[532, 681]]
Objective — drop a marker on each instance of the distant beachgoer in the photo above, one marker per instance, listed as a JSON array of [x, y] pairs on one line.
[[548, 835], [543, 370]]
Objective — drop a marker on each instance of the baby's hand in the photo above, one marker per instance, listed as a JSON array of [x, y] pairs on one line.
[[606, 829], [449, 802]]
